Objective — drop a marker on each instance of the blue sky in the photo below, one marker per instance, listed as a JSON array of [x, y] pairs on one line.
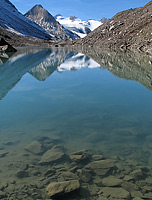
[[84, 9]]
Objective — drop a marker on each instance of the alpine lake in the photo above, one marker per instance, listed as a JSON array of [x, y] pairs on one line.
[[75, 125]]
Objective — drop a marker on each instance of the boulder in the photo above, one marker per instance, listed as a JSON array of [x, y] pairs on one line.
[[84, 175], [101, 167], [35, 147], [66, 176], [115, 193], [62, 188], [3, 153], [51, 156], [21, 174], [97, 157], [130, 187], [137, 174], [2, 195], [111, 181], [80, 156], [5, 47]]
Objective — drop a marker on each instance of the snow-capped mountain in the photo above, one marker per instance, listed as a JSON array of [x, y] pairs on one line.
[[77, 26], [44, 19], [12, 20]]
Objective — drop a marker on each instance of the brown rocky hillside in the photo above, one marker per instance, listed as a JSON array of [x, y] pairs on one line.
[[130, 29]]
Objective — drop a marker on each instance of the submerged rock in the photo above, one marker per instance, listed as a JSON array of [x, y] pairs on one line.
[[137, 174], [80, 156], [5, 47], [137, 198], [85, 175], [101, 167], [3, 153], [97, 157], [51, 155], [115, 193], [62, 188], [21, 174], [66, 176], [35, 147], [77, 158], [2, 195], [111, 181], [130, 187]]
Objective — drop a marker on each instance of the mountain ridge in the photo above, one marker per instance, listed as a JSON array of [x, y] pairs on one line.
[[12, 20], [78, 26], [129, 29], [43, 18]]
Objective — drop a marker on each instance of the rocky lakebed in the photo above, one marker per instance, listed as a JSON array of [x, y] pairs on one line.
[[46, 169]]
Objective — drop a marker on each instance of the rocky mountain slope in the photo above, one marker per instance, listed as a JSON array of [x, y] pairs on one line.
[[44, 19], [130, 29], [77, 26], [13, 21], [21, 40]]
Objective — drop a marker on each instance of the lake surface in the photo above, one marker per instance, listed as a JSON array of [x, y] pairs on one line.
[[102, 104]]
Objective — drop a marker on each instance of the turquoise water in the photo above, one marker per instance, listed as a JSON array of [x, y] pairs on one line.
[[75, 104], [87, 106]]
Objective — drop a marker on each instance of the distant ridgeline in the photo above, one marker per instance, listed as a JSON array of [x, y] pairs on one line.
[[39, 23], [130, 29]]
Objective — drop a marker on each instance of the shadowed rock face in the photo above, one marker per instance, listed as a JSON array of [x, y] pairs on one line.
[[22, 40], [130, 29], [5, 47], [127, 65], [13, 21]]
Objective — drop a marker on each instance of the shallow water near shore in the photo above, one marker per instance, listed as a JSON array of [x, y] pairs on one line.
[[65, 95]]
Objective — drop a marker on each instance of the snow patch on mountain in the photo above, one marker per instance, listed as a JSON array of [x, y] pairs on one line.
[[77, 26]]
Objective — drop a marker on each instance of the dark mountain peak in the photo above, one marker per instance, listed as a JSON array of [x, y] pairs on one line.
[[104, 20], [73, 18], [44, 19], [58, 15], [39, 13], [38, 6]]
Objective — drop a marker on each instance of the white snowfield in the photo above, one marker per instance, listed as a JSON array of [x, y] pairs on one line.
[[76, 25], [12, 20]]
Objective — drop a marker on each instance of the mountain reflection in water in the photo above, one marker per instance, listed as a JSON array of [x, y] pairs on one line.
[[41, 63]]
